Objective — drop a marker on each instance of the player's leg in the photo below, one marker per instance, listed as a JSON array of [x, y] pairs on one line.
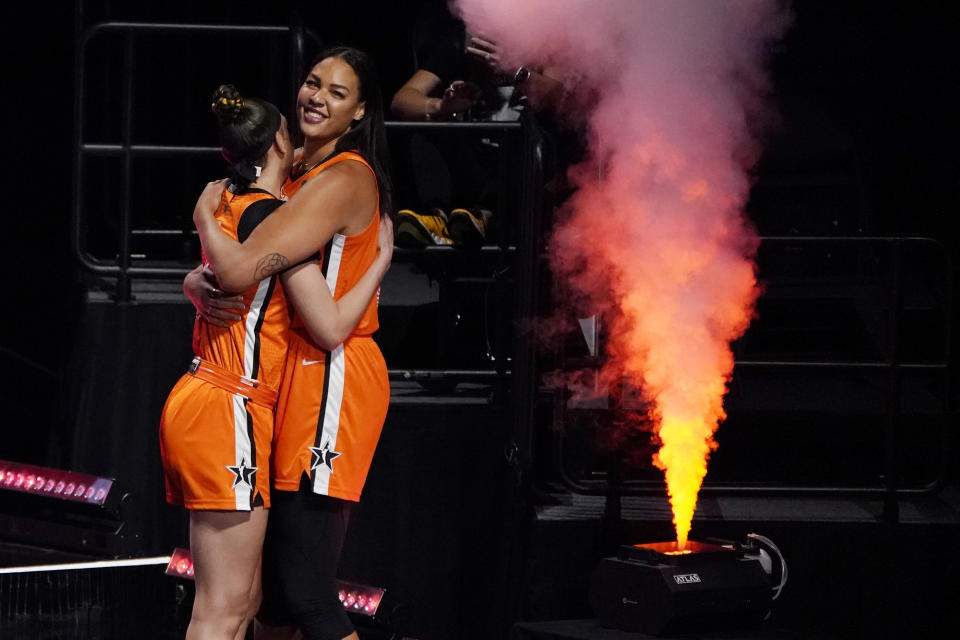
[[225, 547], [266, 632], [253, 602]]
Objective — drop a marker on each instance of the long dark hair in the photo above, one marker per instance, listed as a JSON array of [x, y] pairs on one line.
[[247, 127], [366, 135]]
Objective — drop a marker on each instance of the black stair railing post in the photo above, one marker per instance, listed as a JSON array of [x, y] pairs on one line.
[[126, 188], [891, 505]]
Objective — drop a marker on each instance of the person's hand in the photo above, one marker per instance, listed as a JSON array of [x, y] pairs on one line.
[[212, 303], [209, 199], [385, 242], [459, 97], [485, 50]]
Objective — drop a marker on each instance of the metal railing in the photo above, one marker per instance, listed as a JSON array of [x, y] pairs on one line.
[[123, 268], [894, 365], [511, 135], [127, 150]]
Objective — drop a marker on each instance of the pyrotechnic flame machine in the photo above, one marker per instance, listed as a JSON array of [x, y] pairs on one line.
[[657, 588]]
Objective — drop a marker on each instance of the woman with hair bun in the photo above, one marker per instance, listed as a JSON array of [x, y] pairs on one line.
[[333, 397], [217, 427]]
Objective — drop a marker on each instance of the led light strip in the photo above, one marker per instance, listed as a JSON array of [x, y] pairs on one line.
[[356, 598], [360, 598], [54, 483], [98, 564]]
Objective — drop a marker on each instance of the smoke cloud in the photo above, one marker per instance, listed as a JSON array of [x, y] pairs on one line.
[[673, 94]]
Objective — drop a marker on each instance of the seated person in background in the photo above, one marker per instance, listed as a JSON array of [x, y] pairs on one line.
[[445, 66], [457, 76]]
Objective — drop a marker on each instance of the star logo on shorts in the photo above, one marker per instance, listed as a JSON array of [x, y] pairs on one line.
[[242, 473], [323, 456]]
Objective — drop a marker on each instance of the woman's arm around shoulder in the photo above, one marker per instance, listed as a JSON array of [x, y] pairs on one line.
[[339, 199]]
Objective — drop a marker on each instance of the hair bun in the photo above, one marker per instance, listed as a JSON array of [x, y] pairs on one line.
[[227, 103]]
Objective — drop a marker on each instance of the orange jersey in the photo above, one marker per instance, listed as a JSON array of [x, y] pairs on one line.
[[332, 404], [215, 438], [255, 347], [345, 258]]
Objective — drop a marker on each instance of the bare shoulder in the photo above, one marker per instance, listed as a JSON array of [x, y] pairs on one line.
[[363, 197], [355, 172], [347, 179], [347, 191]]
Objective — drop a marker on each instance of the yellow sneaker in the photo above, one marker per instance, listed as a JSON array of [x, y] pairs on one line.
[[422, 229], [469, 227]]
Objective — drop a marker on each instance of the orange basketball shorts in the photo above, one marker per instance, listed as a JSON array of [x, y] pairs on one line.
[[215, 446], [330, 413]]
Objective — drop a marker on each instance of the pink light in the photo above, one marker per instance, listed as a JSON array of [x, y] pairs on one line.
[[181, 564], [65, 484], [359, 598]]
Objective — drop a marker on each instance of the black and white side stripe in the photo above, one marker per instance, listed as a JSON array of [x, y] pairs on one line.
[[328, 422]]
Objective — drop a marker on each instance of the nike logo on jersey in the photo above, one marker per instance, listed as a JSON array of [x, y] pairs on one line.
[[307, 363]]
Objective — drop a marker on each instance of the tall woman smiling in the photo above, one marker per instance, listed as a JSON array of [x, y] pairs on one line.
[[334, 397]]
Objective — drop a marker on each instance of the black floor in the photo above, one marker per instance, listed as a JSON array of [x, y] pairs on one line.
[[850, 574]]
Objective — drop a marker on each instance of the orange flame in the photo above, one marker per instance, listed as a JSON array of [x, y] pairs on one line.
[[683, 287], [654, 239], [683, 459], [675, 340]]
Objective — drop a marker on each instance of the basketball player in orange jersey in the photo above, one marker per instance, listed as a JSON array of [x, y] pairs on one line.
[[334, 397], [218, 424]]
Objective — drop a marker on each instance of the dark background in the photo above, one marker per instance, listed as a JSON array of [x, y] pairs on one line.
[[865, 88], [867, 144]]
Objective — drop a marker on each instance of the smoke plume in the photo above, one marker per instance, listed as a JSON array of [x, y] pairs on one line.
[[672, 93]]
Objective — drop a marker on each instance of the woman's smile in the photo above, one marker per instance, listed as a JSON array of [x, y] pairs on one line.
[[313, 115]]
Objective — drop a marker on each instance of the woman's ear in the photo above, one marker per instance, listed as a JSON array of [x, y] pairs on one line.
[[361, 111], [281, 141]]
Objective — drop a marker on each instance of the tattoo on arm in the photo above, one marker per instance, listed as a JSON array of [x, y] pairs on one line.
[[269, 265]]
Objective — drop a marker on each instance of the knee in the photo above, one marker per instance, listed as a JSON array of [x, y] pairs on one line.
[[321, 616], [227, 608], [254, 601]]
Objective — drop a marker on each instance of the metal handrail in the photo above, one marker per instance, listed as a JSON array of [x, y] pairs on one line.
[[889, 491], [127, 150], [465, 125]]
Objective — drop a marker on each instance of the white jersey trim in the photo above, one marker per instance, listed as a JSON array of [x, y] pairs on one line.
[[336, 371], [250, 327], [243, 451]]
